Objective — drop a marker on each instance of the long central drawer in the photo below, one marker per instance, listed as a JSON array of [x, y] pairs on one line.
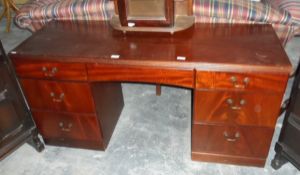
[[100, 72]]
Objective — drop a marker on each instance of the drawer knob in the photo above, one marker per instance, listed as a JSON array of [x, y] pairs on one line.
[[231, 137], [49, 73], [234, 106], [239, 85], [66, 128], [57, 98]]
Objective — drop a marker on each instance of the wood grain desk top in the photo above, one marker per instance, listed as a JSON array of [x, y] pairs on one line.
[[238, 74], [218, 47]]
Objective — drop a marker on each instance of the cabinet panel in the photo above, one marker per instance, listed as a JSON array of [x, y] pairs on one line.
[[16, 123], [50, 70], [231, 144], [232, 107], [58, 96], [241, 81]]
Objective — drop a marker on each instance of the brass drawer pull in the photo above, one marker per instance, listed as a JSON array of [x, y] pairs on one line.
[[56, 98], [238, 85], [65, 128], [231, 138], [233, 106], [49, 73]]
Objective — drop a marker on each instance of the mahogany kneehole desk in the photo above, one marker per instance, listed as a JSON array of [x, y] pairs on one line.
[[71, 72]]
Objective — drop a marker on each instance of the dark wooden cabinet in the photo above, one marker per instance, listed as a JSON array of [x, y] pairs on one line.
[[288, 146], [16, 123]]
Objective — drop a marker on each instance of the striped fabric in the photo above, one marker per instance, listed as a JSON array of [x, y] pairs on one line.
[[240, 10], [35, 14], [292, 6], [245, 11]]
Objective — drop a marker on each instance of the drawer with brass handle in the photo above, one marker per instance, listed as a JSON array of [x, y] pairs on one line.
[[49, 73], [236, 107], [65, 128], [58, 96], [241, 81], [242, 84], [51, 70], [231, 137], [230, 144]]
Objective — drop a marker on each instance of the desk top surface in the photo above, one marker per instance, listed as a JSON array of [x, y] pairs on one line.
[[238, 47]]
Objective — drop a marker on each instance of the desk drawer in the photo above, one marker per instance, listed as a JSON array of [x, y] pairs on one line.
[[51, 70], [64, 126], [229, 144], [241, 81], [236, 107], [98, 72], [58, 96]]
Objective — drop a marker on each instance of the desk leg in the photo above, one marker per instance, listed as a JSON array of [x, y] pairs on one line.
[[158, 90], [36, 142]]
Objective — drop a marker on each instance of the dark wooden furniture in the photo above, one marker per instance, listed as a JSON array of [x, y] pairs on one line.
[[288, 146], [71, 74], [16, 124]]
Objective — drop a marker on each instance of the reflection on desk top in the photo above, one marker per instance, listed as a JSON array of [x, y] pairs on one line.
[[234, 47]]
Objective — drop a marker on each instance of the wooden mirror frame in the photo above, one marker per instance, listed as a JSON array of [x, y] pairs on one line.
[[167, 21], [178, 16]]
